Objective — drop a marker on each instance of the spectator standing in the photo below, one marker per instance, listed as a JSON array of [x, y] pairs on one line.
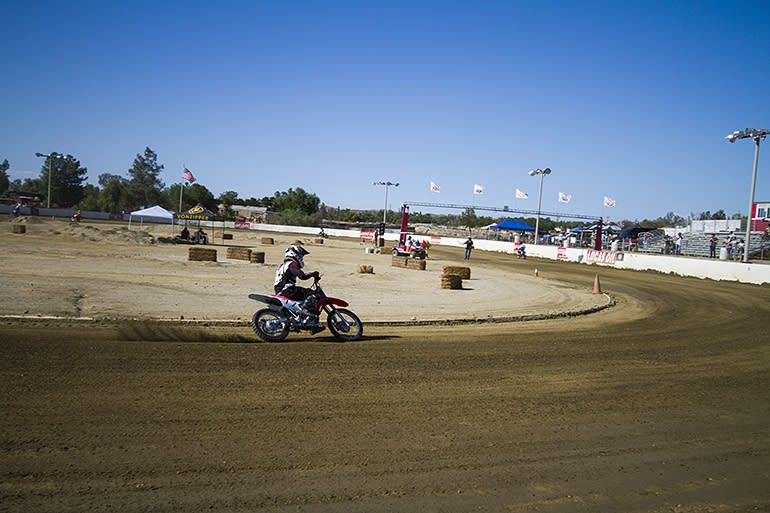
[[713, 245], [468, 248], [731, 246], [678, 243]]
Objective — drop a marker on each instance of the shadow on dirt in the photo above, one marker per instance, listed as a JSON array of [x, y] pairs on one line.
[[161, 332]]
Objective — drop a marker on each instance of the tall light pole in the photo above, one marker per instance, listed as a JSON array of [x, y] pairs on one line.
[[542, 173], [49, 157], [757, 135], [385, 211]]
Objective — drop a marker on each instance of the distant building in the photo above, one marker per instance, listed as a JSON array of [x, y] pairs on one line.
[[246, 213]]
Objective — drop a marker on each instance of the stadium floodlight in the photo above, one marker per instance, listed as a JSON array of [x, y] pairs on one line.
[[542, 173], [50, 170], [385, 210], [757, 135]]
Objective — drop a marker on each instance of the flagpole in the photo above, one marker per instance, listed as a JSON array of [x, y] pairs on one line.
[[181, 188]]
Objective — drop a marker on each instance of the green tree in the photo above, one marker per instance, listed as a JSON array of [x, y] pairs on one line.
[[145, 187], [90, 199], [296, 217], [298, 199], [66, 178], [192, 195], [5, 181], [227, 199], [114, 195], [468, 218]]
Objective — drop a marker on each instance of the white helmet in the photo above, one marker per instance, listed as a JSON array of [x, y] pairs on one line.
[[297, 254]]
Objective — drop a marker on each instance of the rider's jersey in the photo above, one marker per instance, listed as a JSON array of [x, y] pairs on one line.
[[286, 276]]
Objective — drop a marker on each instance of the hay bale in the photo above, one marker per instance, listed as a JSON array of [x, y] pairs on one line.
[[227, 236], [413, 263], [451, 281], [365, 269], [267, 240], [462, 272], [257, 257], [319, 241], [399, 261], [19, 228], [196, 254], [239, 253]]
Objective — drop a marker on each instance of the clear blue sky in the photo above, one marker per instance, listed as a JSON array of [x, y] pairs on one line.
[[624, 99]]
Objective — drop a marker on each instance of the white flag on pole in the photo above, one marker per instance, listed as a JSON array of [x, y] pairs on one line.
[[521, 194], [564, 198], [609, 202], [434, 187], [478, 189]]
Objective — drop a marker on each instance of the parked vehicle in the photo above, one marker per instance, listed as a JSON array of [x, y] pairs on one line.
[[411, 252], [283, 315]]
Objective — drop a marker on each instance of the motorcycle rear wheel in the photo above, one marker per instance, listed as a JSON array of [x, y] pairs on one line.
[[345, 325], [269, 325]]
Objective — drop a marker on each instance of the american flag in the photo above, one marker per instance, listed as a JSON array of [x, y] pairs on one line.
[[609, 202], [521, 194], [478, 189], [434, 187], [187, 175], [564, 198]]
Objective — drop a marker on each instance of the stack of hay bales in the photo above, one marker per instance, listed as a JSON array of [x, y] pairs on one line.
[[239, 253], [452, 276], [197, 254], [408, 263], [399, 261], [462, 272], [413, 263], [257, 257], [267, 240], [19, 228], [227, 236], [365, 269]]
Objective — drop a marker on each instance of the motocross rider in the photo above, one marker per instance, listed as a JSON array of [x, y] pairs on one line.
[[286, 277]]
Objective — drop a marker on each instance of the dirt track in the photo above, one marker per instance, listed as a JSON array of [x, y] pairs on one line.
[[658, 404]]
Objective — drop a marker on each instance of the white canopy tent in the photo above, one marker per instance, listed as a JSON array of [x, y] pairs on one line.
[[156, 211]]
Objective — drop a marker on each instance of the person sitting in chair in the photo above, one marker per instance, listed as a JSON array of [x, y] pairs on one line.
[[185, 233], [201, 237]]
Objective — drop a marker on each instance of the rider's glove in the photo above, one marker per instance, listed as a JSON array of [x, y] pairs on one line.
[[315, 275]]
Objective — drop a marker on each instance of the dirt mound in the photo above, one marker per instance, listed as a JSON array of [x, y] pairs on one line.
[[25, 220], [112, 235]]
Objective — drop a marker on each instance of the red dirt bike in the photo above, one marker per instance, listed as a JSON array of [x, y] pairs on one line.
[[283, 315]]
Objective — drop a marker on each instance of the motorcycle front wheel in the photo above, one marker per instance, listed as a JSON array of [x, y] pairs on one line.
[[344, 324], [269, 325]]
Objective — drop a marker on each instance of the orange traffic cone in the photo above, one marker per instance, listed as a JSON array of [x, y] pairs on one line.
[[597, 287], [535, 272]]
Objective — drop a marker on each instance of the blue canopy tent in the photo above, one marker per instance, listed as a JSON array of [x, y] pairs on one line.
[[508, 224]]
